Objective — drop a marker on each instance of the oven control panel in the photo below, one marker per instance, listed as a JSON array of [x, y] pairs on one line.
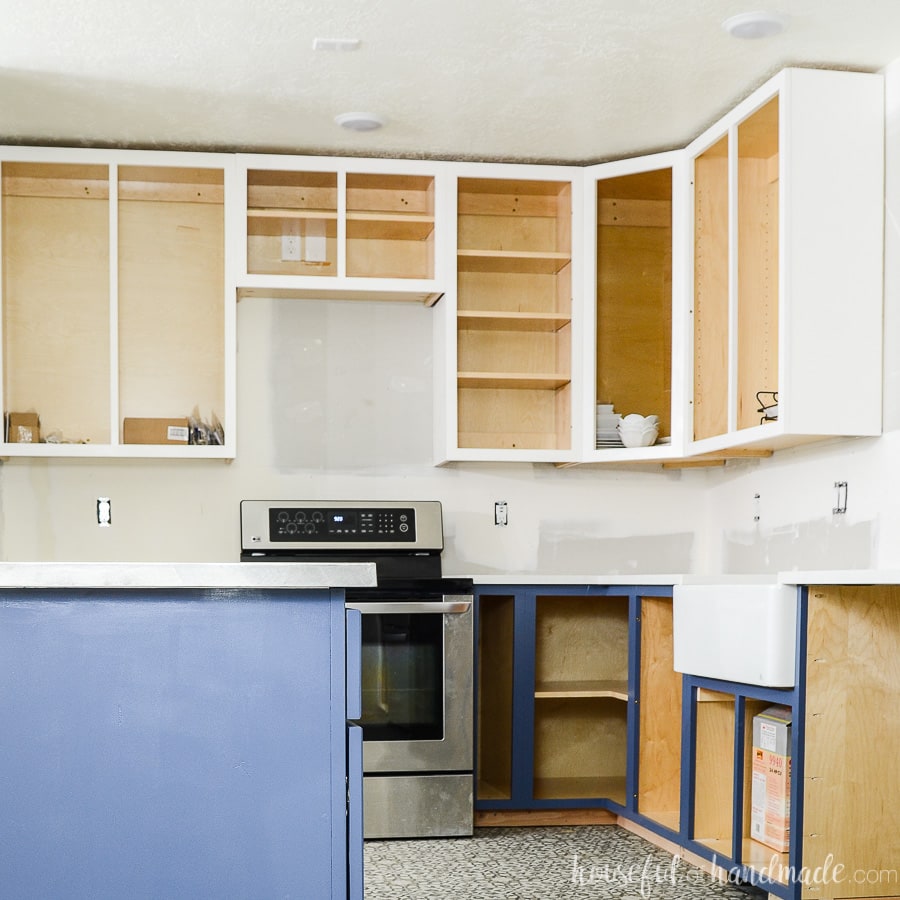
[[341, 525], [285, 526]]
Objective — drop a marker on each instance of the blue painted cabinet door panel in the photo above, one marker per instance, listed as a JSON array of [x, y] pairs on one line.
[[170, 746]]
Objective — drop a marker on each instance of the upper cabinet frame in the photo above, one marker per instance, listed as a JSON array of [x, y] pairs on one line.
[[117, 297], [506, 333], [786, 313], [635, 252], [319, 227]]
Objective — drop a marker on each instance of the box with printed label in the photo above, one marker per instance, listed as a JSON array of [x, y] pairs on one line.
[[155, 431], [770, 793], [23, 428]]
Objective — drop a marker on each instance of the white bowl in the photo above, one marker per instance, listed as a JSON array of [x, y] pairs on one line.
[[638, 438]]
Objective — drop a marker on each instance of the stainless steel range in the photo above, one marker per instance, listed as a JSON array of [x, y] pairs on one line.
[[417, 652]]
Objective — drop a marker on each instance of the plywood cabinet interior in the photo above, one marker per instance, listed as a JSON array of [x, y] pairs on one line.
[[787, 294], [581, 697], [514, 314], [353, 229], [851, 792], [114, 297], [660, 721], [56, 296], [495, 655], [629, 352]]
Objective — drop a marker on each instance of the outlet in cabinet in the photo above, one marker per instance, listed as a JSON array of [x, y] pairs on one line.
[[343, 229], [787, 260], [115, 300], [635, 265], [513, 325]]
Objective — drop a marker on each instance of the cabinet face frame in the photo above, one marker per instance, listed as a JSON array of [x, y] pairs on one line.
[[139, 164], [462, 327], [674, 375], [349, 229], [829, 292]]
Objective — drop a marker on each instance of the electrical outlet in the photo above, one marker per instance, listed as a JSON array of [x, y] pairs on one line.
[[290, 247], [104, 512], [501, 513]]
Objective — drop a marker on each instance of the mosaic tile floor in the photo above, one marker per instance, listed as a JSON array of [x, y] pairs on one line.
[[558, 863]]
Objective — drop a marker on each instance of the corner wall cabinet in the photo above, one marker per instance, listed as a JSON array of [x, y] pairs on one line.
[[788, 195], [509, 328], [346, 229], [116, 297], [634, 258]]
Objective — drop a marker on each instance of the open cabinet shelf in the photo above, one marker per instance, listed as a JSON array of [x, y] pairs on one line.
[[513, 317], [128, 316], [780, 351], [633, 304], [339, 224]]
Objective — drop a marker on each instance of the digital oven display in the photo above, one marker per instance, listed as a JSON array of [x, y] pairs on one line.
[[290, 524]]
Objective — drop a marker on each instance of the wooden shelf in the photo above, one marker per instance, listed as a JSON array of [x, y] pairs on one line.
[[610, 787], [488, 791], [389, 226], [511, 321], [773, 863], [512, 380], [614, 688], [271, 213], [528, 262]]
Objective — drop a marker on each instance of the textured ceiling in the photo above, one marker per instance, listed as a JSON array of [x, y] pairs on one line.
[[548, 80]]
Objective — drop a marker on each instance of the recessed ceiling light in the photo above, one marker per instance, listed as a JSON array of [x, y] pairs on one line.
[[359, 121], [335, 44], [752, 25]]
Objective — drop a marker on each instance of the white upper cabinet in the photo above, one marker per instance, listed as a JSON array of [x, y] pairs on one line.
[[786, 312], [634, 348], [315, 227], [506, 332], [117, 302]]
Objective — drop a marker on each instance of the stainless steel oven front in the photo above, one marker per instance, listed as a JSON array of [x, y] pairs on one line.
[[417, 699]]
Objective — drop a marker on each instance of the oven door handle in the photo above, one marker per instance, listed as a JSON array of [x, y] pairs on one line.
[[412, 606]]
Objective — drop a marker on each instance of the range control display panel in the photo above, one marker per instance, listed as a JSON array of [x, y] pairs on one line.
[[342, 525]]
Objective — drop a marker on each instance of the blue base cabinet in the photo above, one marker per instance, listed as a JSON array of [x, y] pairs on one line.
[[188, 743], [558, 682]]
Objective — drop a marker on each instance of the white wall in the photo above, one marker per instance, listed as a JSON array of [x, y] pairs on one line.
[[334, 402], [796, 528]]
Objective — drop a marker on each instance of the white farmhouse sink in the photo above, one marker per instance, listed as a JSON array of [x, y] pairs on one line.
[[737, 632]]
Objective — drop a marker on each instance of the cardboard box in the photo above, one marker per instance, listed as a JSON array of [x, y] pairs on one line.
[[155, 431], [23, 428], [770, 793]]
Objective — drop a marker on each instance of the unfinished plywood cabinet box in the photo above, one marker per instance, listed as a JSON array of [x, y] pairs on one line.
[[115, 297], [510, 327], [340, 229], [788, 193]]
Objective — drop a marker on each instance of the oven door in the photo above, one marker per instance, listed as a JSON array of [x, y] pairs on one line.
[[417, 696]]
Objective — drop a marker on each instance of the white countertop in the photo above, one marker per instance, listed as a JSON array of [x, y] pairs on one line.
[[186, 575], [826, 576]]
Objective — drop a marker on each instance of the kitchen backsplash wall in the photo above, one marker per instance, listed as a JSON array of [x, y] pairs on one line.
[[334, 401]]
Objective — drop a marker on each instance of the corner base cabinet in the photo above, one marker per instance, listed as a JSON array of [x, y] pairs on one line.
[[559, 681], [580, 707]]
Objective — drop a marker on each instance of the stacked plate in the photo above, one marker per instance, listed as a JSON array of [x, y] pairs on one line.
[[607, 426]]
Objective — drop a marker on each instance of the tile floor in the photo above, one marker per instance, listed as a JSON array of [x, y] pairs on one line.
[[552, 863]]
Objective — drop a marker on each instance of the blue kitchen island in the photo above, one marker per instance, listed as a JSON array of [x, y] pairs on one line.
[[177, 731]]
